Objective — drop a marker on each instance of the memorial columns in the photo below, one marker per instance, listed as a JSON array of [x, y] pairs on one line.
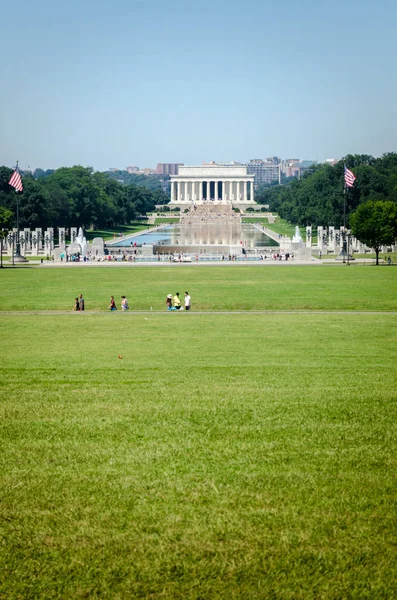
[[201, 191], [216, 191], [185, 197], [252, 191], [245, 192], [172, 191], [178, 190]]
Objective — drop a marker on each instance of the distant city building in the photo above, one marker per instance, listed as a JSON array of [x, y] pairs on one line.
[[265, 171], [132, 169], [332, 161], [294, 167], [146, 171], [168, 168]]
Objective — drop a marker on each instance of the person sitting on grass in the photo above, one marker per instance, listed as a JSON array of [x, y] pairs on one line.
[[168, 302], [124, 303]]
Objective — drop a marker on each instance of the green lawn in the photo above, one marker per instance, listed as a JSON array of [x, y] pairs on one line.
[[108, 233], [262, 287], [162, 220], [285, 228], [255, 219], [224, 456]]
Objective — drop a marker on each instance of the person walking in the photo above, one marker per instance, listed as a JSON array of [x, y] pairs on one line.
[[177, 301], [81, 302], [187, 301], [76, 305], [112, 305], [124, 303]]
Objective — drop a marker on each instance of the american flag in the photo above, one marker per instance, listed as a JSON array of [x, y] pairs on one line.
[[16, 181], [350, 178]]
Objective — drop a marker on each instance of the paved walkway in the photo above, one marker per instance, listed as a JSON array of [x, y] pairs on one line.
[[4, 313]]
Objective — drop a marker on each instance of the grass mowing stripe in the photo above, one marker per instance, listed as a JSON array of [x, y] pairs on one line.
[[215, 288], [251, 457]]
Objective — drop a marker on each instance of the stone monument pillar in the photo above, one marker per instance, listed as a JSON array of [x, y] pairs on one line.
[[28, 239], [39, 238], [47, 242], [338, 238], [73, 234], [309, 236], [62, 237], [22, 243], [331, 239]]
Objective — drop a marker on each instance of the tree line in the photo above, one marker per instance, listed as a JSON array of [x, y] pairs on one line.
[[76, 196], [319, 197]]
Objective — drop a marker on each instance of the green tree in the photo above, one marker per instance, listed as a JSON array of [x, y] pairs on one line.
[[374, 223]]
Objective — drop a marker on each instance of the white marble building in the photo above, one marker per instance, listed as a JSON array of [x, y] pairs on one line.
[[212, 183]]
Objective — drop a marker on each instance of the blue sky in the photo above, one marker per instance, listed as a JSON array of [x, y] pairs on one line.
[[109, 84]]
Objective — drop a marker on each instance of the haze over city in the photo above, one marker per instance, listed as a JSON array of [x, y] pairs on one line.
[[114, 84]]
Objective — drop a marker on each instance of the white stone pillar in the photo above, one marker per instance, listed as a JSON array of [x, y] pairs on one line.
[[52, 241], [216, 191], [26, 235], [73, 234], [308, 236], [172, 191], [208, 191], [245, 192], [185, 197], [62, 237], [47, 242], [22, 246], [201, 191], [252, 191]]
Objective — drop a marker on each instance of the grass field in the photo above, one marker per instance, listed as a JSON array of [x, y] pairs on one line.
[[162, 220], [212, 288], [255, 219], [107, 234], [224, 456]]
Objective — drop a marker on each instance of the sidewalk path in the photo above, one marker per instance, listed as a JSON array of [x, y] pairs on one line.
[[14, 313]]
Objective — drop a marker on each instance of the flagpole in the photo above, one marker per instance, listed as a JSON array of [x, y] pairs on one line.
[[18, 258], [344, 213]]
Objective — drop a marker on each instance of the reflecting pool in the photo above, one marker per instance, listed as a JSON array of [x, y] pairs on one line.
[[198, 234]]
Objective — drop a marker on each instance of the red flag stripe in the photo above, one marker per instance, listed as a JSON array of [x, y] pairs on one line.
[[16, 181], [350, 177]]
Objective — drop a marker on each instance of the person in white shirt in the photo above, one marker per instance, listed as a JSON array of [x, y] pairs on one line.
[[124, 303], [187, 301]]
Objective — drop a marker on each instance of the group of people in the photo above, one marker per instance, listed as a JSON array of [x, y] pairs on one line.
[[175, 303], [79, 303], [124, 303], [172, 302]]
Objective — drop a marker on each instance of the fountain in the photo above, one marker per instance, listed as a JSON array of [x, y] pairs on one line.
[[79, 246], [297, 238], [80, 239]]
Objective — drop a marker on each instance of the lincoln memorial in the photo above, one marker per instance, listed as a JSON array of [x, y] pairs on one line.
[[212, 183]]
